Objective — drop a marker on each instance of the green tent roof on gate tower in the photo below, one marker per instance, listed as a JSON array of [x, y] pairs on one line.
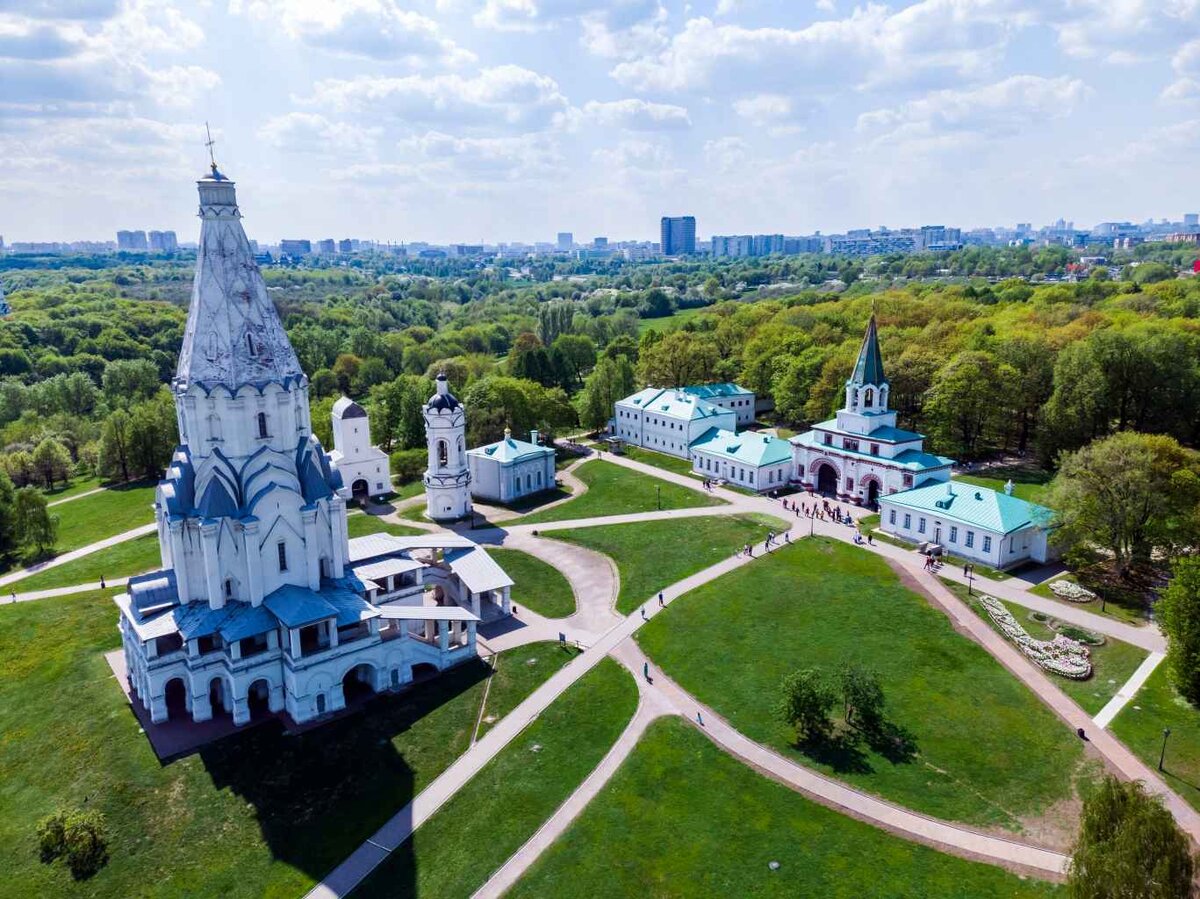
[[869, 367]]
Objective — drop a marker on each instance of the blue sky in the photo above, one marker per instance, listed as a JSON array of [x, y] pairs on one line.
[[469, 120]]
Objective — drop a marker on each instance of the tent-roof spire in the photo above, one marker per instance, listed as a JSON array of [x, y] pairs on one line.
[[869, 367]]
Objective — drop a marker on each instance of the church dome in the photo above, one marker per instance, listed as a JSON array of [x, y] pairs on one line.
[[443, 399]]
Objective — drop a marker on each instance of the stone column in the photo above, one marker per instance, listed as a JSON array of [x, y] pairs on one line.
[[253, 556], [506, 601], [331, 629], [471, 634], [312, 558], [176, 527], [212, 568], [294, 642], [443, 635]]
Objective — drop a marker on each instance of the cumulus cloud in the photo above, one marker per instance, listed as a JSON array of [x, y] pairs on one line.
[[726, 154], [1001, 109], [504, 96], [764, 109], [309, 132], [374, 29], [630, 114]]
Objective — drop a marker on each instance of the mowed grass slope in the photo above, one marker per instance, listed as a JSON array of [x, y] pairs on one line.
[[989, 753], [538, 585], [681, 819], [613, 490], [121, 560], [652, 555], [1140, 725], [256, 814], [107, 513], [361, 524], [453, 854]]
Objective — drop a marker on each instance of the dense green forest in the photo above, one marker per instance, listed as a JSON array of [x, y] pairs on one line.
[[987, 351]]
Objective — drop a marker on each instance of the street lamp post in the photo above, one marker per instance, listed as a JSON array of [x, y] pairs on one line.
[[658, 493], [970, 579], [1162, 756]]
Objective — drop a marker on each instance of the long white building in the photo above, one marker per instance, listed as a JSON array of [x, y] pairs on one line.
[[262, 603], [668, 421]]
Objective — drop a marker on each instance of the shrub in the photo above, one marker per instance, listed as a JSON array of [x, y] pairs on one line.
[[409, 465], [81, 837], [1083, 635]]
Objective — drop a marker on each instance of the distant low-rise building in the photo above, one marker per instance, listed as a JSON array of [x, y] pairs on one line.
[[295, 248], [971, 522], [757, 462], [365, 469], [668, 421], [729, 396], [509, 469]]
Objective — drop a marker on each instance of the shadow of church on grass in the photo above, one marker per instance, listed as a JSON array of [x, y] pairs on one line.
[[319, 794]]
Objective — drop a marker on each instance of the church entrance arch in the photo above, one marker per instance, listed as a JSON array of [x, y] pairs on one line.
[[258, 699], [827, 479], [358, 683], [175, 694], [218, 698], [872, 492], [360, 490]]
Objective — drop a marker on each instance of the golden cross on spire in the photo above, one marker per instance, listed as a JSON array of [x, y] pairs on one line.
[[210, 143]]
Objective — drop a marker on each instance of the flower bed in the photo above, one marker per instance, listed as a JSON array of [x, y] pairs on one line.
[[1071, 591], [1062, 655]]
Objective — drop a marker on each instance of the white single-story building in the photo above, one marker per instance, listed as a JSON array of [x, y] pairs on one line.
[[736, 399], [971, 522], [509, 469], [365, 469], [668, 421], [757, 462]]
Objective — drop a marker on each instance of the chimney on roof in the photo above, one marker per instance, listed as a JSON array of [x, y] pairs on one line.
[[533, 436], [1009, 487]]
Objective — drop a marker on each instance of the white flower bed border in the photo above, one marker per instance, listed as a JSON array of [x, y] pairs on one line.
[[1071, 591], [1062, 655]]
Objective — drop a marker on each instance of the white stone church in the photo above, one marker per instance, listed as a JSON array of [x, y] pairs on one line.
[[263, 604]]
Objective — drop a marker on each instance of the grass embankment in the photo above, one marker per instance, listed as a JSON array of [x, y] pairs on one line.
[[659, 460], [74, 487], [105, 514], [1113, 663], [613, 490], [1028, 484], [1140, 725], [538, 585], [682, 818], [987, 751], [255, 814], [651, 555], [121, 560], [456, 850]]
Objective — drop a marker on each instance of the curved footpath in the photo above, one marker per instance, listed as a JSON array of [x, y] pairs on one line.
[[74, 554]]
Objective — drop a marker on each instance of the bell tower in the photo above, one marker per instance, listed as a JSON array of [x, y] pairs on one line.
[[447, 477]]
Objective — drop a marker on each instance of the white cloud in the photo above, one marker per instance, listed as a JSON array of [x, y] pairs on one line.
[[764, 109], [949, 117], [504, 96], [631, 114], [309, 132], [375, 29], [726, 154]]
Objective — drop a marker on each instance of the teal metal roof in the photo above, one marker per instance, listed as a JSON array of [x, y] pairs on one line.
[[982, 507], [912, 460], [673, 404], [746, 448], [884, 434], [869, 367], [708, 391], [510, 450]]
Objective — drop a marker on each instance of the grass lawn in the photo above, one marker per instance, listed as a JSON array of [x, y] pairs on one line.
[[670, 322], [362, 524], [517, 673], [651, 555], [456, 850], [659, 460], [74, 487], [1112, 664], [988, 752], [256, 814], [539, 586], [613, 490], [1140, 726], [1027, 485], [123, 559], [407, 491], [1118, 608], [682, 818], [104, 514]]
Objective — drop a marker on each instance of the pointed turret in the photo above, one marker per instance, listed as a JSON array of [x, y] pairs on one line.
[[869, 368], [234, 336]]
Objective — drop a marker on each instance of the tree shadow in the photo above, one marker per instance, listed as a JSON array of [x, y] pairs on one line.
[[839, 751], [319, 794], [893, 742]]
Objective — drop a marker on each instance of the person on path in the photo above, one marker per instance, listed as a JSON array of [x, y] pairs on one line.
[[966, 567], [787, 536], [870, 540], [646, 670], [102, 584], [750, 550], [660, 599], [699, 720], [644, 618]]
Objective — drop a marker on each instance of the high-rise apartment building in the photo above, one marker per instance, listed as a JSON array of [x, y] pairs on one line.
[[327, 247], [132, 240], [678, 235], [163, 241], [566, 241], [295, 247]]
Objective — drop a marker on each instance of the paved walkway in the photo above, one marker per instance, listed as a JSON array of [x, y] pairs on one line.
[[68, 499], [52, 592], [1105, 716], [74, 554]]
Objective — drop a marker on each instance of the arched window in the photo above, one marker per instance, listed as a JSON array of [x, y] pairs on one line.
[[443, 452], [214, 426], [869, 398], [250, 344], [228, 588], [262, 424]]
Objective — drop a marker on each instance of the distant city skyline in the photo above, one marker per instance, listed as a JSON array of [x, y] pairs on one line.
[[487, 120]]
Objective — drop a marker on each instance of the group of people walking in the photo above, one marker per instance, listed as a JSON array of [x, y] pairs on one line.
[[822, 512]]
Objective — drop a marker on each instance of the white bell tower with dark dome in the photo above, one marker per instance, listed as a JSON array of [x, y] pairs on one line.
[[447, 477]]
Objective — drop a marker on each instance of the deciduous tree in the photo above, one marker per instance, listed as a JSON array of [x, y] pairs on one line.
[[1179, 614], [805, 702]]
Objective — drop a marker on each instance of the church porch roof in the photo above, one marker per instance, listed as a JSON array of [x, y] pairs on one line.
[[969, 504]]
